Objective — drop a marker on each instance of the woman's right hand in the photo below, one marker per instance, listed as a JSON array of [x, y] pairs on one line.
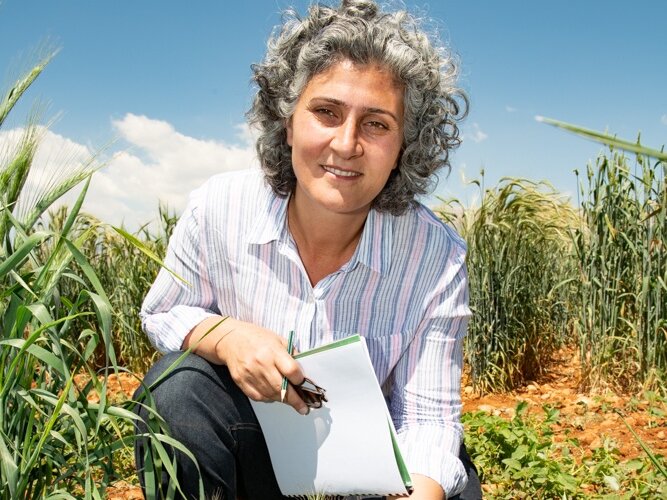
[[257, 358]]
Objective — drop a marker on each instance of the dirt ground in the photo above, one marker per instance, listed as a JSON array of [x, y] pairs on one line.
[[590, 418]]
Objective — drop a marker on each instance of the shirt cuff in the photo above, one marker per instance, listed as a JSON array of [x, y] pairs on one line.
[[168, 330], [439, 462]]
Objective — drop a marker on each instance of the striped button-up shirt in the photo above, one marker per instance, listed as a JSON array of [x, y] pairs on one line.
[[405, 290]]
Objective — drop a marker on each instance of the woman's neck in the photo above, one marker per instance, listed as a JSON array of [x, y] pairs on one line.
[[325, 240]]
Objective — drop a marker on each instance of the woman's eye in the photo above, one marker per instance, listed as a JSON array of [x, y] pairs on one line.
[[377, 125], [326, 112]]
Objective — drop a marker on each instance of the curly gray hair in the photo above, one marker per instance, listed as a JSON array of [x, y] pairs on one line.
[[359, 31]]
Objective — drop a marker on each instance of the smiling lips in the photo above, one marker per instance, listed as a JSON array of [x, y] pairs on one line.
[[340, 173]]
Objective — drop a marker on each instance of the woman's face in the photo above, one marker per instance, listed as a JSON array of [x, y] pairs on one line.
[[346, 134]]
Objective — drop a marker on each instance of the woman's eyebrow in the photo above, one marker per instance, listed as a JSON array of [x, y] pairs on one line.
[[338, 102]]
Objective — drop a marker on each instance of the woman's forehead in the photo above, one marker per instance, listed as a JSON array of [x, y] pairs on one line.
[[344, 64], [367, 85]]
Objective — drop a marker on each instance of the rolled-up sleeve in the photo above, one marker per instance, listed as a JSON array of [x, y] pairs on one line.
[[181, 296], [426, 394]]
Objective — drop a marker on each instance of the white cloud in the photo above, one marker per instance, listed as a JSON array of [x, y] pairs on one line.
[[247, 135], [663, 119], [510, 109], [474, 133], [161, 165]]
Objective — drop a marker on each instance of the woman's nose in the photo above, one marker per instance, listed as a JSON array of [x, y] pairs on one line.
[[345, 142]]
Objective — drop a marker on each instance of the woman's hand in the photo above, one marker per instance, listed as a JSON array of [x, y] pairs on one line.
[[257, 358], [425, 488]]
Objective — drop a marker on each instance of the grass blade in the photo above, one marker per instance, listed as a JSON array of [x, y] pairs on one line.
[[646, 449], [605, 139]]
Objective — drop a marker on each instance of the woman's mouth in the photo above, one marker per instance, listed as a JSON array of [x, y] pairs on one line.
[[340, 173]]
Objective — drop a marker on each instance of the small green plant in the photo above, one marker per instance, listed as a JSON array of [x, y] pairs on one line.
[[518, 458]]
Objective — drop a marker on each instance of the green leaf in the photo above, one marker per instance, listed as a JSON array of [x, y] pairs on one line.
[[147, 251], [633, 465], [15, 260], [520, 452], [606, 139], [10, 471], [512, 463], [76, 208], [87, 269], [47, 357], [521, 408], [163, 459], [104, 315]]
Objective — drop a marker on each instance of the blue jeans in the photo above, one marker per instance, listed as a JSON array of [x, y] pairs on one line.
[[206, 411]]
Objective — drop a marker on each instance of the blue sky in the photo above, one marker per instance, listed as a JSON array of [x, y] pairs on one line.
[[170, 81]]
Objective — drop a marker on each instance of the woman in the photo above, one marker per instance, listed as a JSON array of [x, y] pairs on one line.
[[356, 111]]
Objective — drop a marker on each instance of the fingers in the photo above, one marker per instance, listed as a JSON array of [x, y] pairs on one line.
[[251, 359], [258, 361], [271, 391], [293, 399], [291, 369], [284, 342], [260, 374]]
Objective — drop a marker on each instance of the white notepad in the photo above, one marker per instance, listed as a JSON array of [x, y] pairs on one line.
[[346, 447]]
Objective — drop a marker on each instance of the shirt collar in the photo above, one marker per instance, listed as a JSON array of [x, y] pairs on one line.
[[374, 249], [270, 227]]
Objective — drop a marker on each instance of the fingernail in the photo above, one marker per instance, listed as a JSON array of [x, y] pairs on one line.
[[304, 411]]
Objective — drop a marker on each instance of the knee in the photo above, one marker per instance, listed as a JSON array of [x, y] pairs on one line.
[[175, 382]]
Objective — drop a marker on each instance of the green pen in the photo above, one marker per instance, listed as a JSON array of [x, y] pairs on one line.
[[283, 388]]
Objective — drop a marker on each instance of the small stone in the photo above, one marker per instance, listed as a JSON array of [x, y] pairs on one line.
[[584, 400]]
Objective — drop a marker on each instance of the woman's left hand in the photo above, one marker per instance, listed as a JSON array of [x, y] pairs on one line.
[[425, 488], [257, 358]]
